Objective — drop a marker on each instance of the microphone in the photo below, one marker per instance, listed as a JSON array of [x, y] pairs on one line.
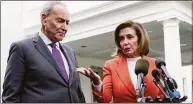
[[160, 64], [158, 82], [169, 82], [155, 73], [141, 70]]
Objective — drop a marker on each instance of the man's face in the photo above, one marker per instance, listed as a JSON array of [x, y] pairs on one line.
[[56, 23]]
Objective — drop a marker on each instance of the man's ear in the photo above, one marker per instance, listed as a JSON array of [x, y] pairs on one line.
[[43, 18]]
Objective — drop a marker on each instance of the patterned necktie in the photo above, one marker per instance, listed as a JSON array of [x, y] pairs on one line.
[[59, 60]]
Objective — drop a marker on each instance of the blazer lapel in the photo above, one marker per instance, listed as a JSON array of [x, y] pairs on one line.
[[124, 75], [42, 48]]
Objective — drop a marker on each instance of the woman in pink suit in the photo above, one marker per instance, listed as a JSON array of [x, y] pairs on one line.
[[119, 78]]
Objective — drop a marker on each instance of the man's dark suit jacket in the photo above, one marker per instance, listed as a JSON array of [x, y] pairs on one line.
[[32, 75]]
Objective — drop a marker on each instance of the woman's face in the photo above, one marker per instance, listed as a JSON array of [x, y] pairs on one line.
[[129, 42]]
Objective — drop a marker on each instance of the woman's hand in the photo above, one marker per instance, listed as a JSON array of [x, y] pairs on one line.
[[90, 74]]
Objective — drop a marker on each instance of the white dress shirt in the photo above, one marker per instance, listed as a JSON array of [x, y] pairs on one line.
[[131, 67], [47, 41]]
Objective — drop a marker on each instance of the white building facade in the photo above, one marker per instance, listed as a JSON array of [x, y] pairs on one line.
[[169, 24]]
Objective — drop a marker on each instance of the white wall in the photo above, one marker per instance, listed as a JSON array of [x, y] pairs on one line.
[[32, 9], [11, 29], [186, 72]]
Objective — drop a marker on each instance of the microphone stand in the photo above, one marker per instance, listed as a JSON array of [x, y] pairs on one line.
[[143, 84], [143, 99]]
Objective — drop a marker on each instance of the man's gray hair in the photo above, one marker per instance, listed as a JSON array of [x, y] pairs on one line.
[[50, 5]]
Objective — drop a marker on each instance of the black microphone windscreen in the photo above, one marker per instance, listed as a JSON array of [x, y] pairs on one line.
[[141, 66], [155, 73], [159, 62]]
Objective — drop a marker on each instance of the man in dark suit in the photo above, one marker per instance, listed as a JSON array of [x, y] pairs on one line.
[[40, 69]]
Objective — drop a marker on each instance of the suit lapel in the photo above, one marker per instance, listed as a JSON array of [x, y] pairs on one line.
[[42, 48], [124, 75]]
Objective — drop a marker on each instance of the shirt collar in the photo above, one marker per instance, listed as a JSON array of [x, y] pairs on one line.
[[45, 39], [133, 59]]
